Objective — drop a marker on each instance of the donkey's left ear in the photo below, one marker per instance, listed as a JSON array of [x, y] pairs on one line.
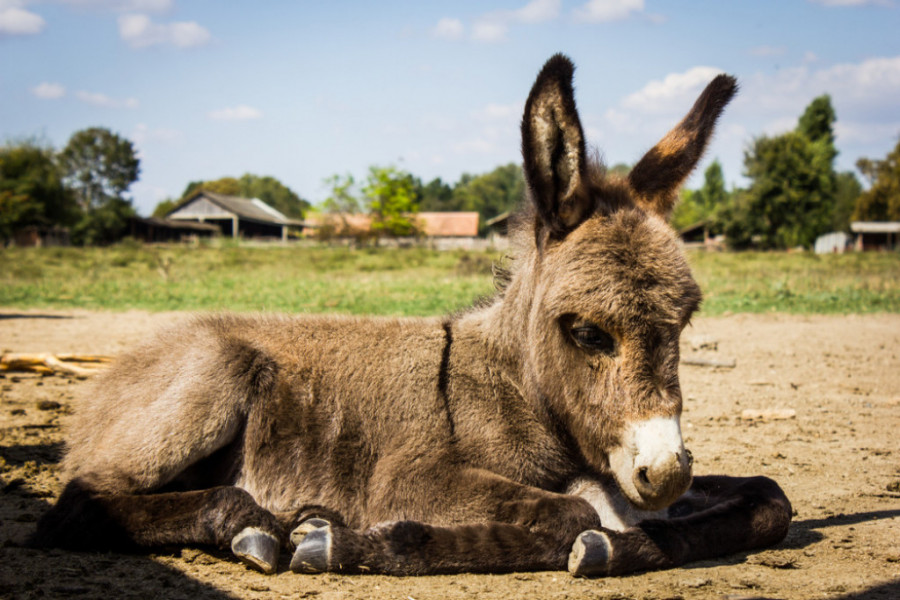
[[553, 150], [658, 175]]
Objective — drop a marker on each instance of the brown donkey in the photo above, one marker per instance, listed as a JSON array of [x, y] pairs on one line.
[[539, 430]]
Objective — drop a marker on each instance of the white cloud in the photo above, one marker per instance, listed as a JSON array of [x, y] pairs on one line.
[[104, 101], [537, 11], [602, 11], [15, 20], [448, 29], [48, 91], [140, 32], [241, 112], [493, 26], [671, 93]]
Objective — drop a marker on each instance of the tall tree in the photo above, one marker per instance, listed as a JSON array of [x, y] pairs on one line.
[[99, 167], [881, 202], [31, 189], [391, 197], [490, 194], [791, 199]]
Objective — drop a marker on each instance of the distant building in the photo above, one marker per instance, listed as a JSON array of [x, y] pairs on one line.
[[442, 229], [836, 242], [876, 235], [37, 236], [234, 216]]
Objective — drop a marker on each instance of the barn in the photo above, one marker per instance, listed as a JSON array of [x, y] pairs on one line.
[[876, 235], [234, 216]]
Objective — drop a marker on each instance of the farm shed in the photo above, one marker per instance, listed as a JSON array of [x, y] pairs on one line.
[[153, 230], [37, 236], [234, 216], [876, 235]]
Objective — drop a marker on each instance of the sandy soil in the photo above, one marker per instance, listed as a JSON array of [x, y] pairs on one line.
[[838, 460]]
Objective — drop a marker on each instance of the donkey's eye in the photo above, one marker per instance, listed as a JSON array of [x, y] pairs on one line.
[[591, 337]]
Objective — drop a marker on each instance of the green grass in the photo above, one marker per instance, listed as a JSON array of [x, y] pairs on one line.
[[798, 282], [400, 282]]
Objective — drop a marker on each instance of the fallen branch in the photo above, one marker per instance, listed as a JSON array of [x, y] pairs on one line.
[[67, 364], [708, 362]]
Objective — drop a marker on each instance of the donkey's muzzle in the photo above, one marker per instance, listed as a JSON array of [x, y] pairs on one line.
[[652, 466], [661, 482]]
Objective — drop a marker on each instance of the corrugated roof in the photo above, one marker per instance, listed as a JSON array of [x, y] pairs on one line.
[[875, 227], [253, 209]]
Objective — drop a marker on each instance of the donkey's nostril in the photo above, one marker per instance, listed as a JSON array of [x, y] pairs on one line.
[[642, 476]]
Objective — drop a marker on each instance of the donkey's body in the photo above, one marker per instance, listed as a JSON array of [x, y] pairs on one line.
[[535, 432]]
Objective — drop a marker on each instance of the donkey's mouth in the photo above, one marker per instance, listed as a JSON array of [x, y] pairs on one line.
[[652, 466]]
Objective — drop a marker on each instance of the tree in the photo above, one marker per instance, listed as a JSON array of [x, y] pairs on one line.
[[490, 194], [227, 186], [99, 166], [31, 189], [881, 202], [342, 200], [392, 201], [846, 194], [274, 193], [791, 199], [703, 204], [436, 196], [164, 207]]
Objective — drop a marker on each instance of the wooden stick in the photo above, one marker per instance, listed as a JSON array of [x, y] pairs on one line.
[[48, 363], [706, 362]]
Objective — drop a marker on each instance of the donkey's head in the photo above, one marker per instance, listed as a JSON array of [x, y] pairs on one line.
[[610, 291]]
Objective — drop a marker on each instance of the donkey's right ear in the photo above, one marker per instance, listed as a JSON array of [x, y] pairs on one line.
[[553, 150]]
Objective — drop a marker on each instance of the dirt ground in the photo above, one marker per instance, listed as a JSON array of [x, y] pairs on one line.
[[838, 459]]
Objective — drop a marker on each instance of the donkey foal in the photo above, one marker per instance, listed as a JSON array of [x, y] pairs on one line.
[[537, 431]]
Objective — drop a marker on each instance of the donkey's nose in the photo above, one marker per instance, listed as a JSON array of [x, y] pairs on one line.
[[661, 482]]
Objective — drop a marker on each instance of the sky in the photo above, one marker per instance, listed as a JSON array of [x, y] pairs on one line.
[[304, 90]]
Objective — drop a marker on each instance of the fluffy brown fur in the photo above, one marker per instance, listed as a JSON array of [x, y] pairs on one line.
[[413, 446]]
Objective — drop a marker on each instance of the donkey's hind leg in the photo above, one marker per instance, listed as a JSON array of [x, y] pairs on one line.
[[220, 516], [150, 429], [719, 515]]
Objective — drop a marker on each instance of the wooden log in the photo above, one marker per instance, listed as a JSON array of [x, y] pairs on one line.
[[49, 363]]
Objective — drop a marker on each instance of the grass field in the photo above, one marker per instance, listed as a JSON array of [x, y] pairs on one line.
[[400, 282]]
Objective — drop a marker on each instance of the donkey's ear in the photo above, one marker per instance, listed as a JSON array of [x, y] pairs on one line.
[[658, 175], [553, 149]]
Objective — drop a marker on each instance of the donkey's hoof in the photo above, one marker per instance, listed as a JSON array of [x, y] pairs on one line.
[[590, 554], [306, 527], [313, 553], [257, 549]]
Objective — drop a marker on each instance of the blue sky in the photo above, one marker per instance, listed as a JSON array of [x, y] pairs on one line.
[[303, 90]]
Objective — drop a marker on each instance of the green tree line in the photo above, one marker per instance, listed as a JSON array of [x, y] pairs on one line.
[[794, 192]]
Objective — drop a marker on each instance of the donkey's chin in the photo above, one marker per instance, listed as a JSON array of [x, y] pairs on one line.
[[651, 466]]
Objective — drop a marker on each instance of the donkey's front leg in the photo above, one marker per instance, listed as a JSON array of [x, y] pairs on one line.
[[505, 527], [718, 516], [222, 516]]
